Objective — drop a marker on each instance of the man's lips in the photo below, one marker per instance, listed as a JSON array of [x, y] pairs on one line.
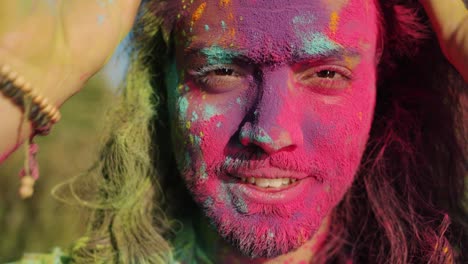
[[299, 185], [268, 179], [285, 194], [267, 173]]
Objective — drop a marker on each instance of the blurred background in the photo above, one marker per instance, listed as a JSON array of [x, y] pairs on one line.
[[43, 222]]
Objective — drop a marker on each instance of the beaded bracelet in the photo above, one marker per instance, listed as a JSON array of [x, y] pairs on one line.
[[42, 114], [37, 110]]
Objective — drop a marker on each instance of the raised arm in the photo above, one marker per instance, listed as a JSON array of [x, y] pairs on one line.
[[56, 46], [450, 21]]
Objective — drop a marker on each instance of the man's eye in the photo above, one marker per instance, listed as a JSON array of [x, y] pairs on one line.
[[221, 78], [224, 72], [325, 77], [326, 74]]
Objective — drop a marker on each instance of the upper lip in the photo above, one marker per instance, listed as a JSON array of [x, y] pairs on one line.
[[267, 173]]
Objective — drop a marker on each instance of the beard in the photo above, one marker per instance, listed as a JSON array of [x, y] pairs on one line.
[[255, 229], [262, 230]]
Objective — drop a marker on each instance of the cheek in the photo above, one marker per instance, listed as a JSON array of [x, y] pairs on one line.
[[206, 124], [336, 128]]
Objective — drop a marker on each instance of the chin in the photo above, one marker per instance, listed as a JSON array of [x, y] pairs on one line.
[[261, 230], [264, 240]]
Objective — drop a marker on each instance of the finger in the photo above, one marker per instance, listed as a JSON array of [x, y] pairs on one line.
[[445, 15]]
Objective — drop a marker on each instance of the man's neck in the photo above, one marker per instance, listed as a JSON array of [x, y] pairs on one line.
[[221, 252]]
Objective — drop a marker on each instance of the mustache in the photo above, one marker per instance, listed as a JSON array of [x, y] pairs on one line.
[[253, 160]]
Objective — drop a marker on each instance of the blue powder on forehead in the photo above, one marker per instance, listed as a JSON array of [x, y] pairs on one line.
[[207, 28], [218, 55], [317, 44]]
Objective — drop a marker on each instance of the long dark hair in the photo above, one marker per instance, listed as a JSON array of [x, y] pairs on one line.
[[407, 204]]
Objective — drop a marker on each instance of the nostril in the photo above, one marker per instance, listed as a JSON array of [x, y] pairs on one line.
[[245, 141], [254, 136], [289, 148], [246, 134]]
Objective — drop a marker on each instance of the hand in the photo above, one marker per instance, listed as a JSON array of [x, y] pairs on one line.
[[58, 44], [450, 21]]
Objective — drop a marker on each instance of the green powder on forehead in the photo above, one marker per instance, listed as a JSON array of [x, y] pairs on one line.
[[318, 44], [218, 55]]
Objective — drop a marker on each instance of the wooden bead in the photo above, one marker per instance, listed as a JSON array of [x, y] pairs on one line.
[[57, 116], [19, 82], [32, 94], [27, 181], [53, 117], [12, 76], [37, 99], [27, 88], [48, 109], [26, 192], [52, 111], [41, 113], [44, 103]]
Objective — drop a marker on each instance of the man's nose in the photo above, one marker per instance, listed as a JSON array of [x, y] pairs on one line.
[[275, 123]]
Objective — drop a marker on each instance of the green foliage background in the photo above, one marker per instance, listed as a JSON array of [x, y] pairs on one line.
[[43, 222]]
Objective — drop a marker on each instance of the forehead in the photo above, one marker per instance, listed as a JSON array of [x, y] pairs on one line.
[[277, 27]]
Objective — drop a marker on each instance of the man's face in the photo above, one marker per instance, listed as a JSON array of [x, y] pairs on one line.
[[271, 102]]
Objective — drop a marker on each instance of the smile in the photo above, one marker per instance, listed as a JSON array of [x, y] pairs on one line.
[[268, 183]]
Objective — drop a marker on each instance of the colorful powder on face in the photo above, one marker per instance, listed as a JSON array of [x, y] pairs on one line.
[[223, 25], [183, 106], [209, 112], [317, 44], [334, 21], [303, 20], [224, 2], [194, 116], [275, 122], [217, 55], [198, 12]]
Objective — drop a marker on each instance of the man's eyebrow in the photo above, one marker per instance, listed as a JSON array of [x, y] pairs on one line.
[[318, 46], [215, 54], [339, 53]]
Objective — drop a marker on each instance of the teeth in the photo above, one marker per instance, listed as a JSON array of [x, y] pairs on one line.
[[269, 183]]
